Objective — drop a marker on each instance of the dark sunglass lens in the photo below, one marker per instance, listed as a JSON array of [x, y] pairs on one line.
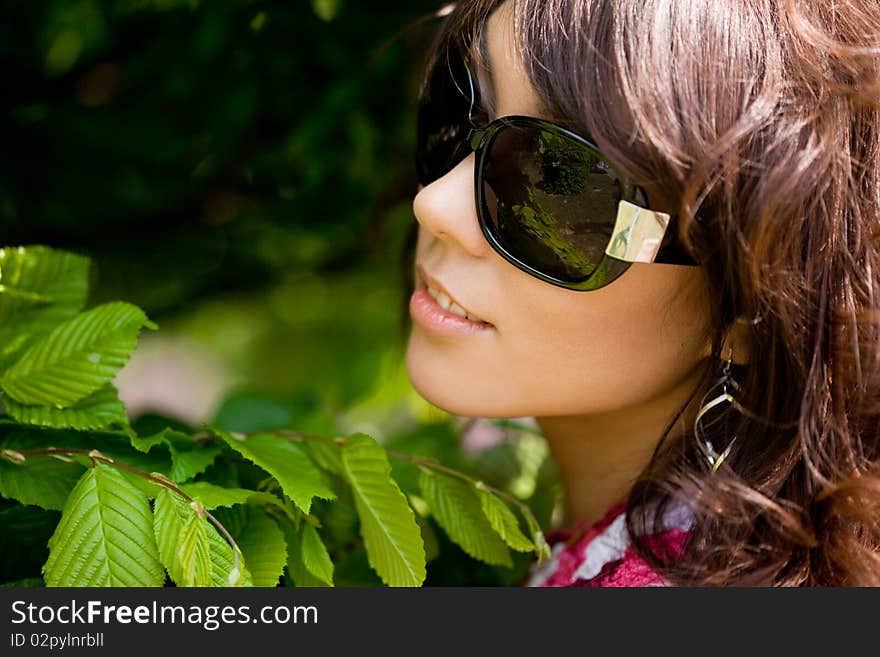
[[551, 200], [443, 118]]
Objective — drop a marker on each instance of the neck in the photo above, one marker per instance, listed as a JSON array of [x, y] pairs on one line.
[[600, 455]]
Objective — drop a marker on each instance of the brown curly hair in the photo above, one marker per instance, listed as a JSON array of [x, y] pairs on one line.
[[762, 117]]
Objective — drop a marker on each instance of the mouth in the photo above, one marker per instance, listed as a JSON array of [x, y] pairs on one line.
[[443, 298]]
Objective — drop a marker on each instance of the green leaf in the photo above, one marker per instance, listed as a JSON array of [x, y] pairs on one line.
[[213, 496], [224, 570], [503, 521], [391, 535], [172, 514], [455, 506], [296, 567], [146, 443], [101, 409], [193, 553], [429, 538], [314, 554], [538, 537], [77, 358], [326, 455], [105, 536], [188, 457], [43, 481], [187, 463], [264, 548], [251, 411], [39, 288], [288, 462]]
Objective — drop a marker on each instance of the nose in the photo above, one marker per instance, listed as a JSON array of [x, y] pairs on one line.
[[447, 209]]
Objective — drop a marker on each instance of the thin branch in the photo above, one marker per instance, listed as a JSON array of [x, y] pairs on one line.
[[159, 480]]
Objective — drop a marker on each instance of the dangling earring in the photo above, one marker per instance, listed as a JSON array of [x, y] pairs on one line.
[[713, 458]]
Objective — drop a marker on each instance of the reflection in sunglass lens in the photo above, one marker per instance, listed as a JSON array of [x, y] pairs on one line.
[[552, 201]]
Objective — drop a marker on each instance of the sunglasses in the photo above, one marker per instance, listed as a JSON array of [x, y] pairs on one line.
[[547, 199]]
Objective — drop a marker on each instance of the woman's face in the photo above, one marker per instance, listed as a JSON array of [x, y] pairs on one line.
[[549, 351]]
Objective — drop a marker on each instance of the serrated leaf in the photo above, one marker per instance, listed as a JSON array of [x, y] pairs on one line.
[[391, 535], [315, 557], [189, 458], [455, 506], [77, 358], [288, 462], [265, 550], [43, 481], [172, 512], [504, 522], [146, 443], [224, 570], [538, 537], [39, 288], [187, 463], [100, 410], [429, 538], [296, 568], [193, 553], [326, 455], [213, 496], [105, 535]]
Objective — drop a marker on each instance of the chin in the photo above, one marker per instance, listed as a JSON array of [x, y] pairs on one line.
[[436, 386], [441, 388]]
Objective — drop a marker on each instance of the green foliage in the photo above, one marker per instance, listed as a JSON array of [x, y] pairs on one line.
[[99, 409], [146, 502], [40, 289], [262, 543], [296, 562], [503, 521], [104, 537], [391, 535], [178, 523], [288, 462], [314, 553], [455, 505], [43, 481], [193, 558], [77, 358]]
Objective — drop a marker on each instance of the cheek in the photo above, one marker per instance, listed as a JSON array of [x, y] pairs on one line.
[[611, 348], [559, 352]]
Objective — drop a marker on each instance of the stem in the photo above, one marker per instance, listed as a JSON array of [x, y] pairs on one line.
[[163, 481]]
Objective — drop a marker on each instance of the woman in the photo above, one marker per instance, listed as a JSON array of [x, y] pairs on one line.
[[673, 269]]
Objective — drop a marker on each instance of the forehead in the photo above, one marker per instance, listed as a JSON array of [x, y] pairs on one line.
[[511, 88]]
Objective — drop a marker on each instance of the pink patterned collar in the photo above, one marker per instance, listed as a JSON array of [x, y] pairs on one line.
[[601, 554]]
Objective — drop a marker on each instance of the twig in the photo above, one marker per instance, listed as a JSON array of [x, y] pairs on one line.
[[160, 480]]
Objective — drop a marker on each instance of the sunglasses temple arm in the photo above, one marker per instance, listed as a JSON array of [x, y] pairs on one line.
[[642, 235]]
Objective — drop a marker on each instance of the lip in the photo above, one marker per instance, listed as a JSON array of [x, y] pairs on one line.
[[431, 316], [426, 279]]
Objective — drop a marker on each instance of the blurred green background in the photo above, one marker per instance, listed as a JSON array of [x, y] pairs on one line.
[[243, 171]]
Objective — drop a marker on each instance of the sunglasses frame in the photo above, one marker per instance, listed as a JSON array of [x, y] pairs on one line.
[[639, 234]]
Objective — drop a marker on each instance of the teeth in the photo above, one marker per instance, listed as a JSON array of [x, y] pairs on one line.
[[448, 304]]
